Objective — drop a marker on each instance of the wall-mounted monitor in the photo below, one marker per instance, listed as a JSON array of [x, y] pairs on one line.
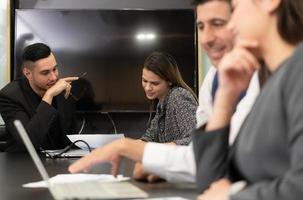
[[110, 46]]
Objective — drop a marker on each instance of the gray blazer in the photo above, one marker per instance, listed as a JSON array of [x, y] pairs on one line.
[[268, 153], [174, 119]]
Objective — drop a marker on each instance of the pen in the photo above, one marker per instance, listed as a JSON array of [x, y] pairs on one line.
[[82, 75], [71, 94]]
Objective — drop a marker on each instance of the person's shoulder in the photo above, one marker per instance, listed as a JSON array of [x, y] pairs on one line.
[[290, 71], [11, 89], [179, 93], [296, 59], [176, 91]]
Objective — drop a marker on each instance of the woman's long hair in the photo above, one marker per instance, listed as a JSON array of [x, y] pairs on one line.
[[166, 67]]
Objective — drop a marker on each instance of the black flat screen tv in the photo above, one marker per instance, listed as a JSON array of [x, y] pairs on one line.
[[110, 46]]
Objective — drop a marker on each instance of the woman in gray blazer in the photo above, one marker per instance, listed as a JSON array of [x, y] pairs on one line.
[[268, 155]]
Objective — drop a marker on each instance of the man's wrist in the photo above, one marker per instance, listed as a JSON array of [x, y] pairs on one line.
[[226, 100], [223, 109], [47, 98], [132, 149]]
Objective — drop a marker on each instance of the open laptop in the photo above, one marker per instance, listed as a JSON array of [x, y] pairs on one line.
[[84, 190]]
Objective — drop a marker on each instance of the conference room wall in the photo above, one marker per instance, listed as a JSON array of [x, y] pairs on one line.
[[4, 78]]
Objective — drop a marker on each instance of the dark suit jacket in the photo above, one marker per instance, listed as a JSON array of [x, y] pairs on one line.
[[46, 125]]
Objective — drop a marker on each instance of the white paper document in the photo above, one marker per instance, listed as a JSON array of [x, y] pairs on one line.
[[94, 140], [73, 178]]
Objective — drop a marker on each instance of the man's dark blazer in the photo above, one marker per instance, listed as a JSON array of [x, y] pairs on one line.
[[19, 101]]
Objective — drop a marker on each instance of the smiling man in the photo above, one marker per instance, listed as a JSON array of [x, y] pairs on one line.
[[40, 100], [212, 18]]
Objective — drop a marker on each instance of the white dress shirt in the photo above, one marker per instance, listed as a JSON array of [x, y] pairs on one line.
[[177, 163]]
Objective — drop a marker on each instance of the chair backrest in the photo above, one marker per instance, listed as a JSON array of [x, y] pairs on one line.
[[2, 138]]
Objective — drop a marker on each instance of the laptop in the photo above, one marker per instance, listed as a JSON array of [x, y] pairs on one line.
[[82, 141], [72, 153], [84, 190]]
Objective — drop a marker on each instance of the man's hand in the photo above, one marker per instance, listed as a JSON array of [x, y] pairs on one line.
[[110, 153], [235, 71], [140, 175], [61, 85], [237, 67]]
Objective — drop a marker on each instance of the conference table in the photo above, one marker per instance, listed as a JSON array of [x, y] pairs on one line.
[[17, 169]]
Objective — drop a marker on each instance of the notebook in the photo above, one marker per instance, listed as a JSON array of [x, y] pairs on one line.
[[84, 190]]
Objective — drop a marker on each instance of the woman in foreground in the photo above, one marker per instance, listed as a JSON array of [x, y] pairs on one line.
[[267, 156]]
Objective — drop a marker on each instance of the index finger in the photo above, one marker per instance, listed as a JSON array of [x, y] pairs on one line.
[[83, 164], [115, 166], [70, 79]]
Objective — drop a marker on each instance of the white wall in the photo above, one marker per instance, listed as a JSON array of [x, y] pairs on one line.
[[3, 80], [3, 43]]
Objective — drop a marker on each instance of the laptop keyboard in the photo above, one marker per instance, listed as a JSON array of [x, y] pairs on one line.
[[97, 190]]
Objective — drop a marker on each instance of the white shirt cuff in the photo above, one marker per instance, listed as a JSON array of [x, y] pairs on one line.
[[172, 162]]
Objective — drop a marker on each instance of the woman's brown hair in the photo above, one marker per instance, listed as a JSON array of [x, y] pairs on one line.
[[290, 20], [166, 67]]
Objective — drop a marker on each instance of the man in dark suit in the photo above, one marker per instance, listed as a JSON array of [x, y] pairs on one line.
[[39, 99]]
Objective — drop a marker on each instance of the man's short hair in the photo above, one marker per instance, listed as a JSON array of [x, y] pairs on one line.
[[35, 52]]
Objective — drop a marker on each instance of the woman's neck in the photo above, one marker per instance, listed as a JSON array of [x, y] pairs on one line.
[[163, 96], [275, 50]]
